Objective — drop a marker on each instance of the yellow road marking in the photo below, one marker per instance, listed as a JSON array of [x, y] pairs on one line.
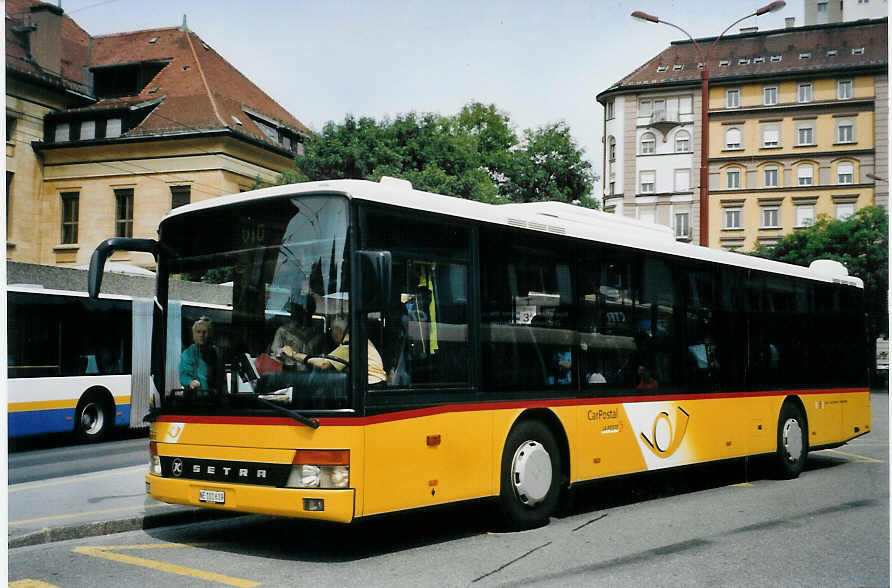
[[109, 553], [860, 458], [82, 514], [73, 479], [743, 485], [31, 584]]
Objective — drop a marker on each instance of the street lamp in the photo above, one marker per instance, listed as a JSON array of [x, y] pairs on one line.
[[704, 104]]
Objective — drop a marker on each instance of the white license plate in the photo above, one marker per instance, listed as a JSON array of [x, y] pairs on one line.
[[215, 496]]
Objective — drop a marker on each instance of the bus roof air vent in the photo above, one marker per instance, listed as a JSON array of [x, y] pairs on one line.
[[396, 183]]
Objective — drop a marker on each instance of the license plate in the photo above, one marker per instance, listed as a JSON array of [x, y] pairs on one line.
[[215, 496]]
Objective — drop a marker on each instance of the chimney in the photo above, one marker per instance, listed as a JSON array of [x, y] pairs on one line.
[[46, 40], [790, 22]]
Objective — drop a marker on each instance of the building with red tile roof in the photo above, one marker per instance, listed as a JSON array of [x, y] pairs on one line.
[[106, 133]]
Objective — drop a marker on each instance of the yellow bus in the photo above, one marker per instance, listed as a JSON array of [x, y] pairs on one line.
[[442, 350]]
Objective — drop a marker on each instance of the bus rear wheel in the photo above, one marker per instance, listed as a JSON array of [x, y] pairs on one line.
[[792, 442], [92, 418], [531, 475]]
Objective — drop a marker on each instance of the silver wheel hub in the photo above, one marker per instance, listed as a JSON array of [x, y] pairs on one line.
[[92, 418], [531, 473], [792, 439]]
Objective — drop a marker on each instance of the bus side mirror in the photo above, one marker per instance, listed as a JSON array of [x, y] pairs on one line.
[[106, 248], [377, 267]]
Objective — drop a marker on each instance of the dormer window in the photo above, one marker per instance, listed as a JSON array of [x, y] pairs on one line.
[[758, 60], [275, 131], [743, 61], [858, 51], [63, 132], [116, 81], [662, 68], [776, 58], [832, 52], [678, 67], [724, 63], [805, 55]]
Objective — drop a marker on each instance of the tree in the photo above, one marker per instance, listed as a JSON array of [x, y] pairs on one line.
[[860, 242], [474, 154]]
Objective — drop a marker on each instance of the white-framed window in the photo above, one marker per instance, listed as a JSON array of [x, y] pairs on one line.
[[845, 131], [659, 112], [805, 93], [648, 143], [805, 215], [805, 174], [758, 60], [113, 127], [770, 177], [776, 58], [644, 107], [611, 149], [678, 67], [844, 210], [88, 130], [662, 68], [770, 217], [685, 104], [769, 95], [647, 182], [857, 50], [845, 173], [732, 218], [771, 135], [63, 132], [732, 98], [732, 177], [805, 135], [682, 142], [832, 53], [609, 108], [844, 89], [682, 222], [682, 180], [805, 55], [732, 138]]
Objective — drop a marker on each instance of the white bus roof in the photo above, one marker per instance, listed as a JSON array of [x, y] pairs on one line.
[[549, 217]]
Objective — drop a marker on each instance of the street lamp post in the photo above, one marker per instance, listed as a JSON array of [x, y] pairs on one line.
[[704, 104]]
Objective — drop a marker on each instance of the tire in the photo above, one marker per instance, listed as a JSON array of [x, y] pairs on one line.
[[93, 418], [531, 476], [792, 442]]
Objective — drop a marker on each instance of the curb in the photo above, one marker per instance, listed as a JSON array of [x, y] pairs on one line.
[[136, 523]]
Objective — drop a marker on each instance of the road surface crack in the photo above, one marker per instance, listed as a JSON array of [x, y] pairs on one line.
[[516, 559]]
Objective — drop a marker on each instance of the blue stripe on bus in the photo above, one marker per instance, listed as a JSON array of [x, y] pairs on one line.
[[38, 422], [124, 419]]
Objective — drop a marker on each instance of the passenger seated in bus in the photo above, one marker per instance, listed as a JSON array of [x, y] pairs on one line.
[[201, 365], [341, 352], [645, 380], [297, 336]]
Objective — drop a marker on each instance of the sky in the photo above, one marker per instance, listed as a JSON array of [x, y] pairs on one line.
[[539, 62]]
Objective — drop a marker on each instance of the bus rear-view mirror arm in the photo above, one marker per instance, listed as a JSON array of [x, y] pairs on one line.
[[109, 246]]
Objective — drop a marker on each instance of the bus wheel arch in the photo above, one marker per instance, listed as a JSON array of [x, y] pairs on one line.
[[534, 470], [94, 415], [792, 438]]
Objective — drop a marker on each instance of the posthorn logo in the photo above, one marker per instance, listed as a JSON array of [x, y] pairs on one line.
[[664, 441]]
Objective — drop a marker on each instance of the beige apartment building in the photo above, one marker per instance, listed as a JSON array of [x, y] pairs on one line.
[[105, 134]]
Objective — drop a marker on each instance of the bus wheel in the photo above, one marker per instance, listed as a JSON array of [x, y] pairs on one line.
[[531, 474], [792, 441], [92, 418]]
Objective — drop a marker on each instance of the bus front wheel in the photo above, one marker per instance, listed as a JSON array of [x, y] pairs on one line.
[[531, 475], [92, 418], [792, 441]]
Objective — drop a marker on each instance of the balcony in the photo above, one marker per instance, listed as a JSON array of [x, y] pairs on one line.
[[664, 121]]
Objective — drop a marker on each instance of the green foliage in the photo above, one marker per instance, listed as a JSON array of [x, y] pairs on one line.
[[860, 242], [474, 154]]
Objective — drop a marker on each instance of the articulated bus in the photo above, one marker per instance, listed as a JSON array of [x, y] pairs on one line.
[[76, 364], [491, 351]]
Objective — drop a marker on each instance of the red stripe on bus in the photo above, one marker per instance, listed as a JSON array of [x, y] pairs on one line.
[[478, 406]]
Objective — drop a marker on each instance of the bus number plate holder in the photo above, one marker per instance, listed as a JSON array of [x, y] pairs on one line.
[[215, 496]]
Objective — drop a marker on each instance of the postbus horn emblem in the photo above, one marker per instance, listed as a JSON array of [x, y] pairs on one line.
[[664, 441]]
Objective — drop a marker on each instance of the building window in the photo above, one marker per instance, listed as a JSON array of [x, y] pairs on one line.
[[124, 212], [844, 89], [612, 189], [644, 108], [845, 132], [662, 68], [69, 217], [63, 132], [805, 93], [180, 196], [844, 210], [732, 98], [805, 215], [770, 217], [732, 138], [685, 104], [113, 128], [88, 130], [648, 181], [776, 58], [858, 51], [609, 108], [769, 95], [733, 178], [771, 136], [805, 55], [682, 225], [682, 180], [682, 142], [845, 173], [648, 143], [733, 218], [611, 149], [805, 135], [10, 127], [806, 174], [770, 177]]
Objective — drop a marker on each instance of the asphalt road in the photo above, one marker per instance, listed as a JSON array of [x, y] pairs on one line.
[[727, 525], [59, 457]]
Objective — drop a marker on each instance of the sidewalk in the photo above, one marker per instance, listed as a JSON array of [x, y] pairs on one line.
[[110, 501]]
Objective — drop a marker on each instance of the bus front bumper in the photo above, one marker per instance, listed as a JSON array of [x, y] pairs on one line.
[[326, 505]]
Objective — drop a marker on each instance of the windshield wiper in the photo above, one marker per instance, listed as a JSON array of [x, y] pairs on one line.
[[304, 420]]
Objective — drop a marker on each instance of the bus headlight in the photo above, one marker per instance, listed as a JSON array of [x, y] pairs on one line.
[[154, 459], [314, 468]]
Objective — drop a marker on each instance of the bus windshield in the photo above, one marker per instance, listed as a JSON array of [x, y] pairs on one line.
[[278, 272]]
